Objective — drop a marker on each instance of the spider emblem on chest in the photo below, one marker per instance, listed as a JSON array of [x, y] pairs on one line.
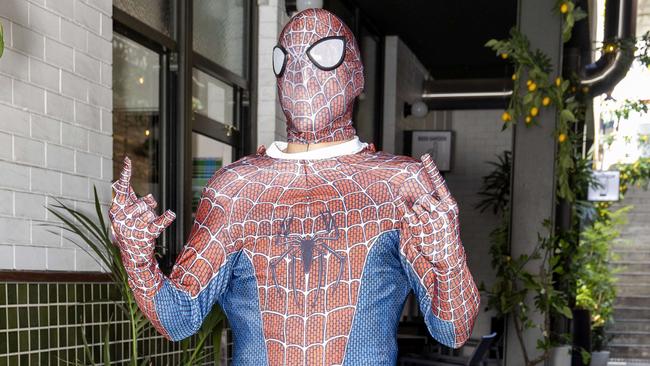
[[312, 251]]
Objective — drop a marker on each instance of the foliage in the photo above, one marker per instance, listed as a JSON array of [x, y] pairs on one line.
[[496, 185], [637, 173], [571, 13], [643, 51], [524, 277], [629, 106], [541, 91], [96, 235], [596, 290], [2, 40]]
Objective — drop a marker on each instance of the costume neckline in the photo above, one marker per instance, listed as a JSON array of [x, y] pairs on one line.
[[353, 146]]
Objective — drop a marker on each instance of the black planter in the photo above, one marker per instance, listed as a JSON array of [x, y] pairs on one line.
[[581, 335]]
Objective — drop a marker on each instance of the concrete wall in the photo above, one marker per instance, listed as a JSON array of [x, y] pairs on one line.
[[55, 124], [270, 119]]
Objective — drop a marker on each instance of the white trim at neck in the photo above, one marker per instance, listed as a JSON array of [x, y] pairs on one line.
[[276, 150]]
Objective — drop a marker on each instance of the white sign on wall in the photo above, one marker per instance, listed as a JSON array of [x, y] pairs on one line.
[[608, 189], [435, 143]]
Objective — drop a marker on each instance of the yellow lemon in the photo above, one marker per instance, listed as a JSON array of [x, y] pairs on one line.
[[505, 117], [564, 8], [514, 76], [528, 82], [528, 119], [504, 55], [534, 111], [546, 101], [561, 138], [558, 81], [532, 87]]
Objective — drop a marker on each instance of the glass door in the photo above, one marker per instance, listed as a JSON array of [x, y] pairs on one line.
[[136, 113]]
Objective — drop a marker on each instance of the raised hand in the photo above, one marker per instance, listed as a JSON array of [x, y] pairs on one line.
[[433, 220], [134, 222]]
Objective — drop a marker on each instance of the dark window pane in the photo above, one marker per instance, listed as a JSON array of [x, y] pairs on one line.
[[155, 13], [208, 155], [365, 119], [219, 32], [212, 98], [136, 113]]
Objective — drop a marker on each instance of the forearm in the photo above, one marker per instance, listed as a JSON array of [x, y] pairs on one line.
[[455, 297]]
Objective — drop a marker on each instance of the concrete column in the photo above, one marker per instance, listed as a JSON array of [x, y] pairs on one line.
[[533, 186]]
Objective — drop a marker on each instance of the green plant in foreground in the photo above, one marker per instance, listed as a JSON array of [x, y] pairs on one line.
[[526, 277], [96, 234], [596, 284]]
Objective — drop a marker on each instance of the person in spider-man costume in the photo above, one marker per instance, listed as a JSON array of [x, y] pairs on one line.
[[311, 254]]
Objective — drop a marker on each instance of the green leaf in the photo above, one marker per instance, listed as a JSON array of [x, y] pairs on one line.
[[567, 116], [2, 40]]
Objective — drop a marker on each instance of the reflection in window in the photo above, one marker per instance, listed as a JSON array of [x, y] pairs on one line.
[[212, 98], [208, 156], [365, 119], [219, 32], [136, 113]]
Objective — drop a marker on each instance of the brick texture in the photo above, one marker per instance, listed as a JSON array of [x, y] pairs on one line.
[[55, 124]]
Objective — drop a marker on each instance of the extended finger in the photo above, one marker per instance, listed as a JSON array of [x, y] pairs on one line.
[[161, 222], [122, 187], [439, 185], [409, 214]]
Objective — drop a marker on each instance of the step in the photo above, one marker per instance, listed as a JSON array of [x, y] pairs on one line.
[[635, 228], [630, 325], [635, 351], [638, 215], [633, 267], [631, 312], [633, 277], [633, 301], [631, 337], [630, 244], [632, 289], [634, 256]]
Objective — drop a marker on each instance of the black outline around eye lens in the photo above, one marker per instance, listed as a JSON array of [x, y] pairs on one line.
[[284, 61], [323, 40]]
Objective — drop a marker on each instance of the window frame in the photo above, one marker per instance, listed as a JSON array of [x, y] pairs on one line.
[[178, 121]]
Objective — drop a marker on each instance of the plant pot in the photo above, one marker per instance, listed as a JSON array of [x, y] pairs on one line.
[[599, 358], [560, 356]]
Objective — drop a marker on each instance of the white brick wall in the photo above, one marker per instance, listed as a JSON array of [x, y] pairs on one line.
[[55, 125]]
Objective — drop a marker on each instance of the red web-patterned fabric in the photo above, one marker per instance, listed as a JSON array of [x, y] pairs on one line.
[[318, 104], [368, 193], [264, 215]]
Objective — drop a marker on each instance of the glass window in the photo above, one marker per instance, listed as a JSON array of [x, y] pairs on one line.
[[155, 13], [136, 113], [212, 98], [208, 156], [365, 119], [219, 31]]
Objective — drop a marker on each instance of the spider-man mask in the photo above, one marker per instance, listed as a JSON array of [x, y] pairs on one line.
[[319, 70]]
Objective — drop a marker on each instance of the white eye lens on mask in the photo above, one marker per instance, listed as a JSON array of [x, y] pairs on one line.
[[328, 53], [279, 60]]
